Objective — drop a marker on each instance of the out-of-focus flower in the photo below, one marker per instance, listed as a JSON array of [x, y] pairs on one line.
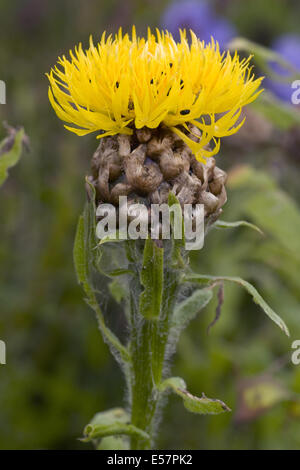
[[257, 395], [124, 83], [200, 17], [288, 46], [31, 15]]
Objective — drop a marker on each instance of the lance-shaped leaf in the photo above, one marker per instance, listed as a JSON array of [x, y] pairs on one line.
[[113, 237], [198, 278], [238, 223], [151, 278], [83, 254], [113, 422], [202, 405], [187, 310], [10, 152]]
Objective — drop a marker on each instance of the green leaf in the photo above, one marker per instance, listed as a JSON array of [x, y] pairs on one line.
[[97, 431], [190, 307], [269, 207], [113, 443], [192, 403], [81, 258], [79, 255], [263, 56], [84, 260], [151, 278], [111, 423], [108, 417], [10, 152], [117, 290], [279, 113], [280, 216], [119, 272], [117, 236], [239, 223], [198, 278]]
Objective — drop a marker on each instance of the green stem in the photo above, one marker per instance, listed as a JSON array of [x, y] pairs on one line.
[[144, 393], [161, 330], [149, 339]]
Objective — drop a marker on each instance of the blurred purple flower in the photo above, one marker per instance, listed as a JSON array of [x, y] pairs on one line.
[[31, 15], [288, 46], [200, 17]]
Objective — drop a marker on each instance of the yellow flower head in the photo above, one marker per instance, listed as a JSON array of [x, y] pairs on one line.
[[124, 82]]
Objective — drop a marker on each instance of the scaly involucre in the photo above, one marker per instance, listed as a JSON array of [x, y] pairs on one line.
[[125, 82]]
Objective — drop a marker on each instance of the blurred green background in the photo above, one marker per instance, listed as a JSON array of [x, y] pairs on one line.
[[59, 373]]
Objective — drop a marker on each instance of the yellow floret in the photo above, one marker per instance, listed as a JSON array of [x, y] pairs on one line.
[[124, 82]]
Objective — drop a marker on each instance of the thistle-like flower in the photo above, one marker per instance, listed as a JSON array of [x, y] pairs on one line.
[[161, 108], [125, 83]]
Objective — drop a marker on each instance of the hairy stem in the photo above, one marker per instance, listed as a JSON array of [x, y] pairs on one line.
[[144, 393], [149, 340]]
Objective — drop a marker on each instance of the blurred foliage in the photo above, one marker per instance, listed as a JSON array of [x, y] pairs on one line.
[[58, 370], [10, 151]]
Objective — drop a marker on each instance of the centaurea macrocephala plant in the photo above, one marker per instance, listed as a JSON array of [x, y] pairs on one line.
[[160, 109]]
